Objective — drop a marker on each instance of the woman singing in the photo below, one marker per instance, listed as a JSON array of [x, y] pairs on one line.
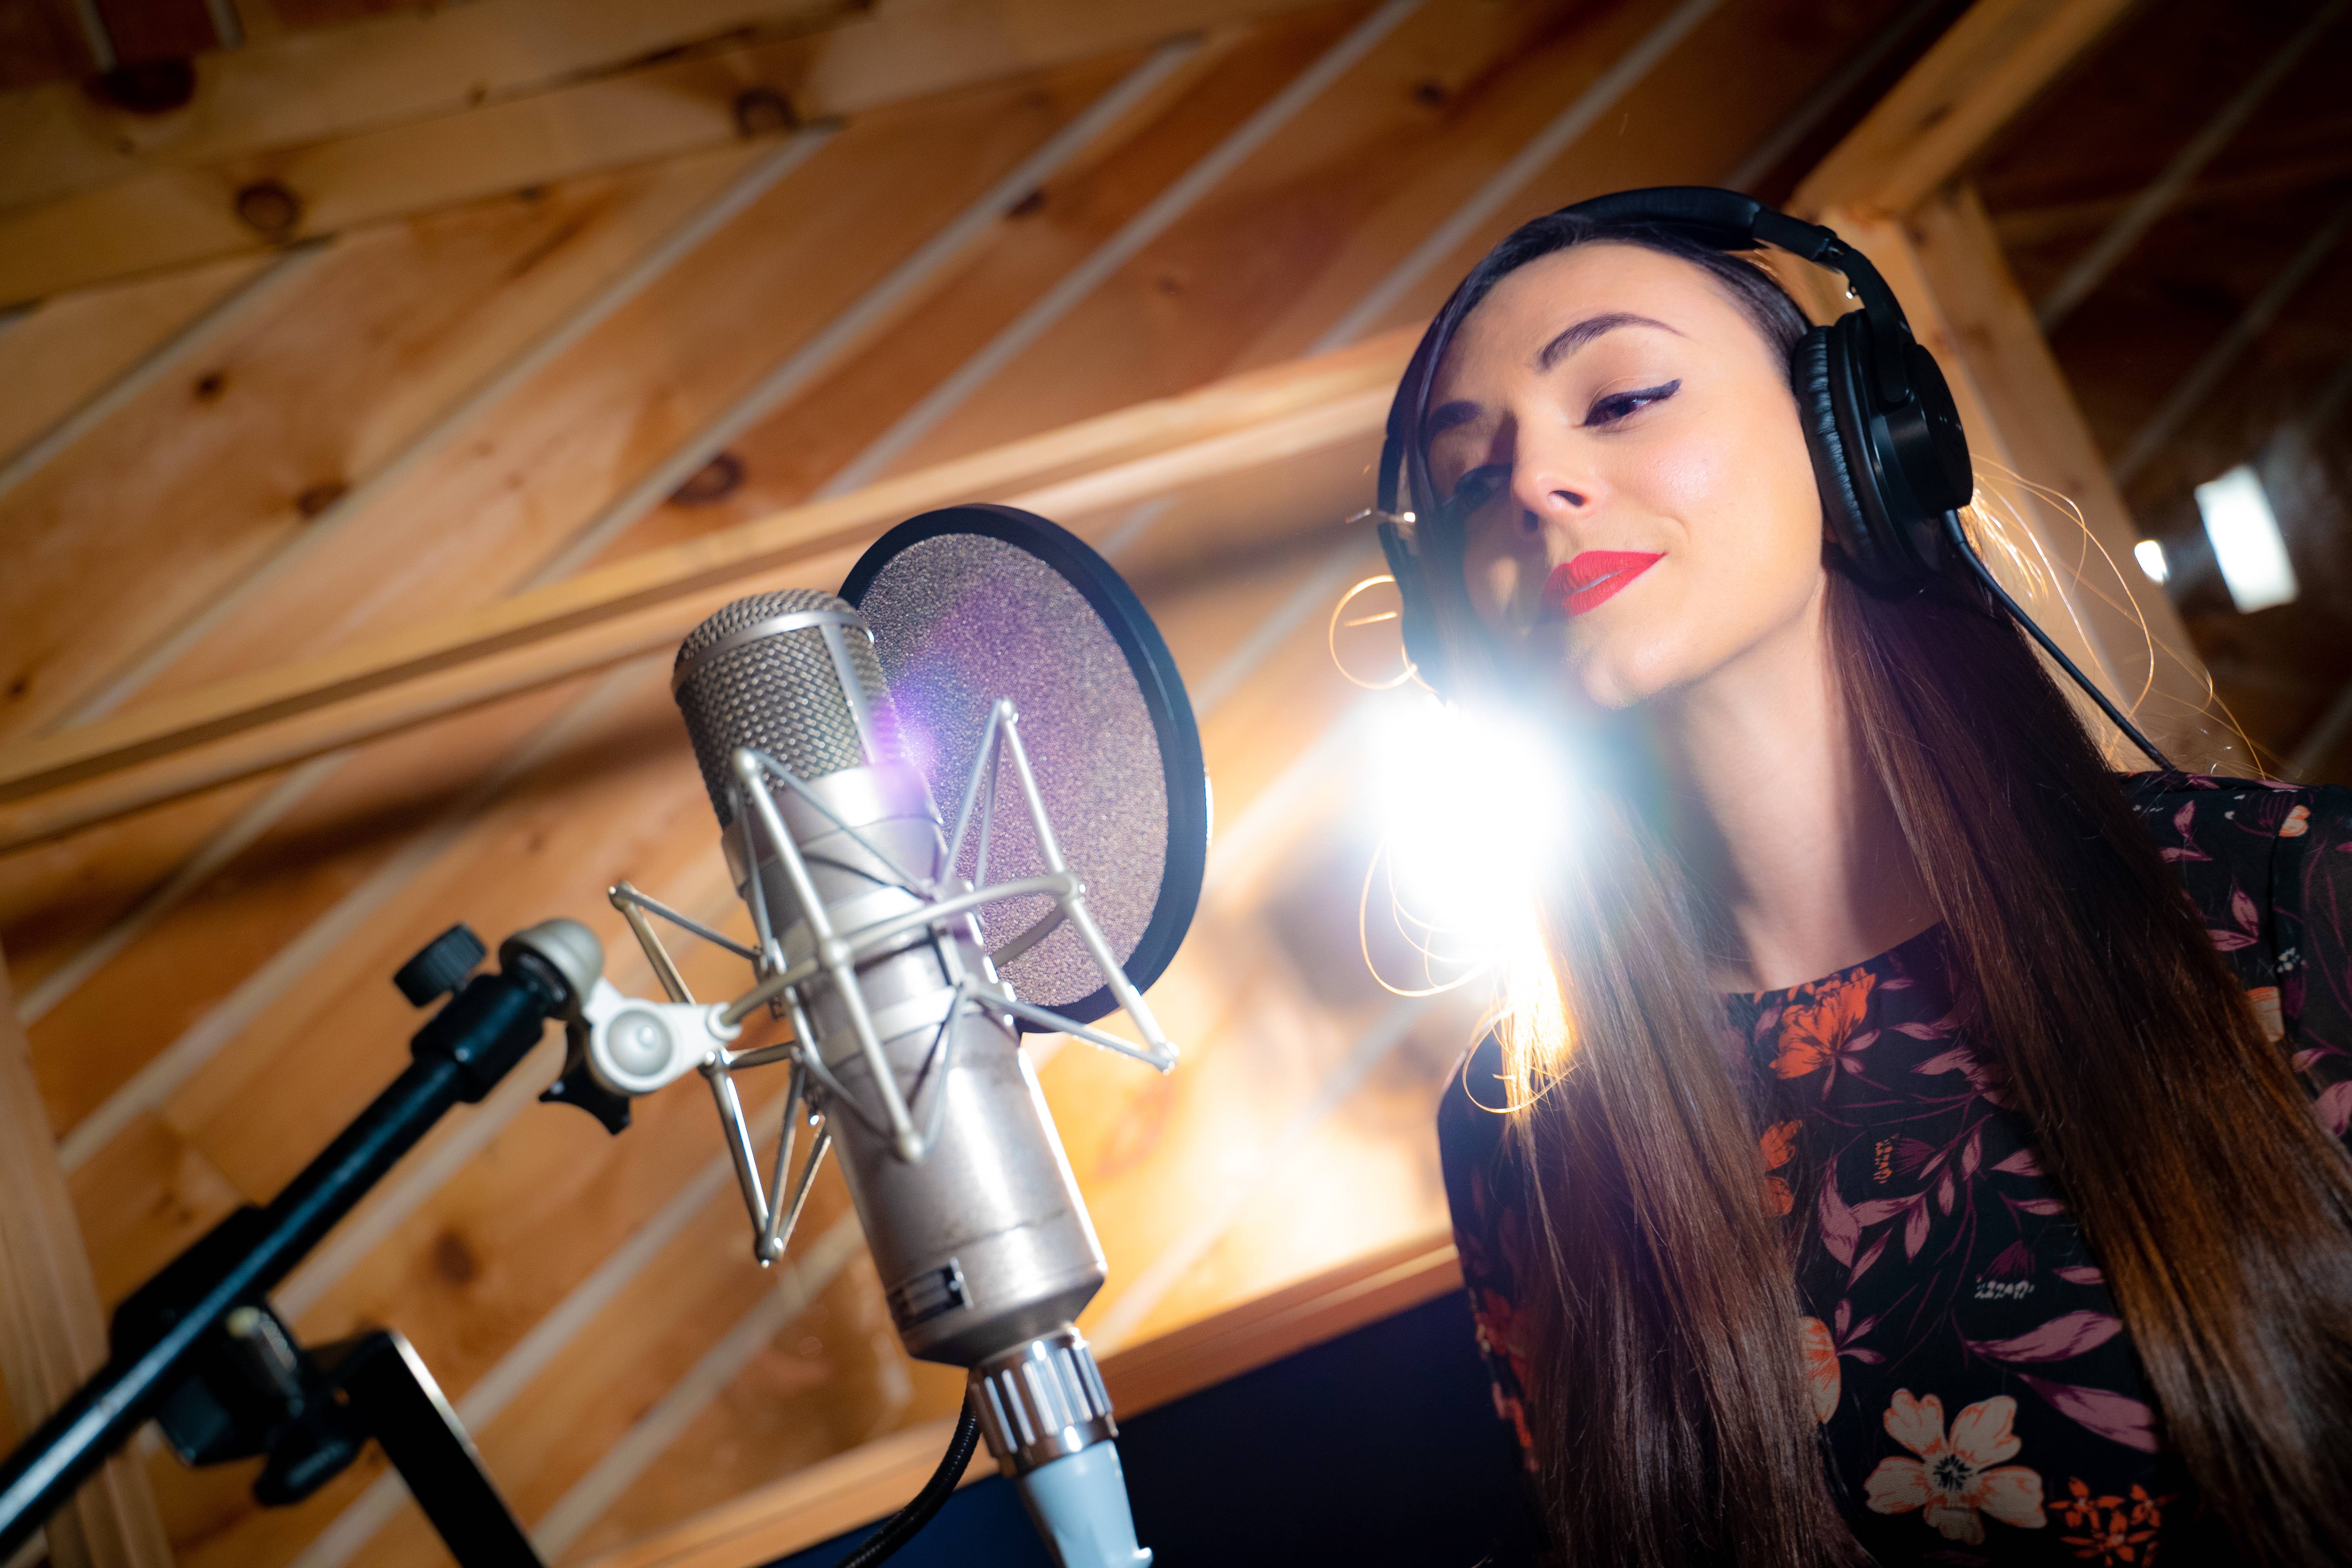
[[1933, 1155]]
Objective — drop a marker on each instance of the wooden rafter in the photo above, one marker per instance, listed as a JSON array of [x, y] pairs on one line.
[[1996, 59]]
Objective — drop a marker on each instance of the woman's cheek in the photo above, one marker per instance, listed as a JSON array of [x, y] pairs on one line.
[[1704, 466], [1494, 585]]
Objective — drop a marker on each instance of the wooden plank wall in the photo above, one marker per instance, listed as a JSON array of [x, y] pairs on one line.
[[204, 982]]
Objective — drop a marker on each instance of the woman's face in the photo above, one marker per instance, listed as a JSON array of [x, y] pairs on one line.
[[1638, 508]]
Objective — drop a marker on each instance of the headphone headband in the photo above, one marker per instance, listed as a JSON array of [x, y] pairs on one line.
[[1727, 220]]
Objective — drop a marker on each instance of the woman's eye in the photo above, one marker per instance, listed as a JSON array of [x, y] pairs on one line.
[[1475, 489], [1617, 404]]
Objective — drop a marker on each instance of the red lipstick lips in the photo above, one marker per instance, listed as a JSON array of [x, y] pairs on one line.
[[1579, 587]]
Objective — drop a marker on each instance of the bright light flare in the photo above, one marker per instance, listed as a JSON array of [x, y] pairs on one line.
[[2247, 545], [2150, 556], [1474, 813]]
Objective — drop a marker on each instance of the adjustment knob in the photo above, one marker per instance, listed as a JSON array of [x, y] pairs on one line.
[[442, 966]]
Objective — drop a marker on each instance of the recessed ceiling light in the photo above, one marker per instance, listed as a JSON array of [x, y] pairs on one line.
[[2246, 542]]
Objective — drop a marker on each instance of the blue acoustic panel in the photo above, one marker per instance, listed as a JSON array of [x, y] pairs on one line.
[[1379, 1448]]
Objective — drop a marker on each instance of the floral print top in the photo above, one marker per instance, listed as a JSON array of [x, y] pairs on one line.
[[1980, 1399]]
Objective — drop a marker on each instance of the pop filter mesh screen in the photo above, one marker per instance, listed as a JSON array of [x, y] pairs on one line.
[[961, 619]]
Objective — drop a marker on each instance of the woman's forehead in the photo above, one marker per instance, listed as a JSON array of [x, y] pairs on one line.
[[1530, 307]]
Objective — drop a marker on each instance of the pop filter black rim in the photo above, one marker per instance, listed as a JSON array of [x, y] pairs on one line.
[[1164, 697]]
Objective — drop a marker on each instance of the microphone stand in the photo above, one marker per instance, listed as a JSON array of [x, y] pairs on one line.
[[198, 1349]]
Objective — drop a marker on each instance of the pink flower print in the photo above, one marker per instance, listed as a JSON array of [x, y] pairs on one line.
[[2297, 823], [2250, 924], [2187, 850], [1959, 1479]]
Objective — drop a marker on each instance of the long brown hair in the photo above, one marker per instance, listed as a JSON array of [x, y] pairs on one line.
[[1671, 1423]]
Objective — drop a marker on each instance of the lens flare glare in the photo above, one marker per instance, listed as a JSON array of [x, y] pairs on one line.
[[1473, 809]]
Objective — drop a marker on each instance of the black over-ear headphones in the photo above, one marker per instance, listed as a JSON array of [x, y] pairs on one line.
[[1885, 435]]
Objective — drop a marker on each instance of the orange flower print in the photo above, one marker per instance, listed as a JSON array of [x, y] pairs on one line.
[[1819, 1032], [2265, 1001], [1957, 1479], [2112, 1528], [1778, 1145], [2297, 824], [1823, 1379]]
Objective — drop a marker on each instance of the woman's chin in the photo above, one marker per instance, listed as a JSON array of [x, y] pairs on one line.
[[1591, 670], [1611, 688], [1585, 680], [1583, 671]]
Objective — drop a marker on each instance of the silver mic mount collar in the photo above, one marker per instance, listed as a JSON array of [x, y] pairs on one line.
[[1042, 1400]]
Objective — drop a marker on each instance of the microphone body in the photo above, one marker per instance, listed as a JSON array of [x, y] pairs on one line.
[[984, 1244]]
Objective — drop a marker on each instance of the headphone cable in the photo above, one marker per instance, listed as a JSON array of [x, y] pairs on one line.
[[1959, 537]]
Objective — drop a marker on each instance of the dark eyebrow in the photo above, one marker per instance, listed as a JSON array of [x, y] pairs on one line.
[[1591, 327], [1461, 411]]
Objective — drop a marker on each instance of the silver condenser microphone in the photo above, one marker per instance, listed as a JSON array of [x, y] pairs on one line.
[[906, 1036]]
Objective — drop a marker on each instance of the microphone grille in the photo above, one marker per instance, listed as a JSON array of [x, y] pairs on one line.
[[779, 691]]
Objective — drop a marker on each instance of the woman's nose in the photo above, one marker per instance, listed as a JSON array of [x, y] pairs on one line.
[[1547, 492]]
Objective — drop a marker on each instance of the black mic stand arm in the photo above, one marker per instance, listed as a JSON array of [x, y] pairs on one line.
[[198, 1349]]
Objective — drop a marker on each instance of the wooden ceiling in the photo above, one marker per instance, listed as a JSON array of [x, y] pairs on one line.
[[401, 315], [2212, 326]]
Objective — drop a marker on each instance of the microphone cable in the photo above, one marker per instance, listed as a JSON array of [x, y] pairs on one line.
[[1957, 536], [901, 1526]]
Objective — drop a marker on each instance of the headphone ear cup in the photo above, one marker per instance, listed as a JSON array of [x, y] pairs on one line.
[[1833, 467]]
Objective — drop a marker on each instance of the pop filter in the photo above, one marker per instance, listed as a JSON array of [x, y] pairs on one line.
[[976, 603]]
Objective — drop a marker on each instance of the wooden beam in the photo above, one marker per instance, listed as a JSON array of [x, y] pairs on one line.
[[1993, 62], [52, 1334], [195, 202], [824, 1500], [444, 666]]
